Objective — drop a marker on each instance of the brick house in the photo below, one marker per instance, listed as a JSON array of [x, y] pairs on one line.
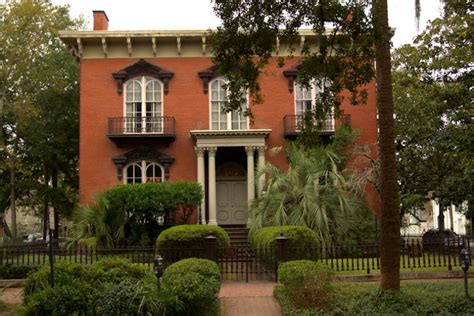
[[150, 110]]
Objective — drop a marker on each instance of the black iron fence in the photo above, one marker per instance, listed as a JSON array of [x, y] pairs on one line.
[[246, 263]]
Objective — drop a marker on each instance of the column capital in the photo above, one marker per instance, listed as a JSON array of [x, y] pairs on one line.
[[200, 150], [211, 151], [261, 149], [250, 149]]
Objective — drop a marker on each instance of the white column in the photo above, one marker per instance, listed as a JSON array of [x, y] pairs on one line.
[[201, 179], [212, 186], [261, 163], [250, 181]]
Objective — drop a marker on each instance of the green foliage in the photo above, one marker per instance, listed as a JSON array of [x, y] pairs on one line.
[[78, 287], [312, 193], [361, 228], [39, 111], [98, 223], [9, 271], [188, 236], [245, 42], [298, 237], [129, 298], [128, 212], [308, 284], [433, 81], [416, 298], [195, 284], [150, 199]]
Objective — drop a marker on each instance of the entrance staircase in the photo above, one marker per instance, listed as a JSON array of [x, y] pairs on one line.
[[238, 235]]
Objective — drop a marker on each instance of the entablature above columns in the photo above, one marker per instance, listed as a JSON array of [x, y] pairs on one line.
[[246, 138]]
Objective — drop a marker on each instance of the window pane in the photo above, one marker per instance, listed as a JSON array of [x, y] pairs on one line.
[[153, 172]]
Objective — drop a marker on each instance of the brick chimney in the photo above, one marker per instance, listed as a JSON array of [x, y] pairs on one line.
[[101, 21]]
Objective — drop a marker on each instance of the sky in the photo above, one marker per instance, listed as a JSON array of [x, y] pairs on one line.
[[198, 14]]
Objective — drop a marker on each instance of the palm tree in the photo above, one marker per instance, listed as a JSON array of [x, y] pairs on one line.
[[97, 224], [312, 193]]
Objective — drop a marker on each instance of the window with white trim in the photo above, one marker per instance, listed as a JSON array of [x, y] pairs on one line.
[[306, 97], [143, 105], [143, 171], [221, 120]]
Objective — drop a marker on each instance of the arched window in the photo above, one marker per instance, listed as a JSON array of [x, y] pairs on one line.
[[306, 97], [143, 105], [143, 171], [221, 120]]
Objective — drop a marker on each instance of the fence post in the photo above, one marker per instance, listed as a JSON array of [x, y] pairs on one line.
[[211, 247], [281, 252]]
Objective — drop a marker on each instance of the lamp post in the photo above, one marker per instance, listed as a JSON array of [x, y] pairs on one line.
[[158, 268], [465, 260]]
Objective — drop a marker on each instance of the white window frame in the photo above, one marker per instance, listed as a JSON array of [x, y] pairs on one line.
[[315, 91], [158, 125], [228, 114], [143, 166]]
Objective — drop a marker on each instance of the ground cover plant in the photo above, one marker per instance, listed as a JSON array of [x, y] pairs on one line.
[[78, 288], [419, 297]]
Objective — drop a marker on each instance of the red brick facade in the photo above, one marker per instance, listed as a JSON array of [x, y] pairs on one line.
[[187, 103]]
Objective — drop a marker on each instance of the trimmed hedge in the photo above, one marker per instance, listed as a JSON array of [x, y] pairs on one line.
[[9, 271], [154, 198], [194, 283], [78, 288], [308, 284], [183, 241], [298, 237]]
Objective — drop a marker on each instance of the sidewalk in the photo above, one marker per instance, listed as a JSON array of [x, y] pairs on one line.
[[248, 299], [12, 295]]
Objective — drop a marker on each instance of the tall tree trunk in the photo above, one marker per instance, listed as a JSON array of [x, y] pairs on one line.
[[390, 204], [54, 183], [13, 202], [441, 217], [45, 201], [2, 144]]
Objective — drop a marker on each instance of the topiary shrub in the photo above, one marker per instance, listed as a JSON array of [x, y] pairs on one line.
[[194, 283], [78, 287], [307, 284], [302, 241], [185, 241]]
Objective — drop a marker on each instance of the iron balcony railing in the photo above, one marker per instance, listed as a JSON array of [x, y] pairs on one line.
[[293, 124], [149, 126]]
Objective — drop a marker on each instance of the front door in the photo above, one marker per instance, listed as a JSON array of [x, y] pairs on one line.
[[231, 202]]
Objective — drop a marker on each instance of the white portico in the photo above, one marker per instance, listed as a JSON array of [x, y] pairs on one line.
[[228, 185]]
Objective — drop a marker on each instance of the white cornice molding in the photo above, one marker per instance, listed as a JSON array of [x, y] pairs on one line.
[[230, 133]]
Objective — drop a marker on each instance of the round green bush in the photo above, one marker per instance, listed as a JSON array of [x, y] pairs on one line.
[[194, 283], [298, 237], [308, 284], [187, 241]]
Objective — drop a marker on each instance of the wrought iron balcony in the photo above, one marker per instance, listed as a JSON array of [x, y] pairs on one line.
[[293, 123], [132, 127]]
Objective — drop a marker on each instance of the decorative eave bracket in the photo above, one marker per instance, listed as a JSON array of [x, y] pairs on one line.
[[142, 68], [291, 75], [142, 153], [206, 76]]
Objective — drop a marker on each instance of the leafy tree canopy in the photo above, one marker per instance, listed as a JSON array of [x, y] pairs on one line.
[[433, 80]]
